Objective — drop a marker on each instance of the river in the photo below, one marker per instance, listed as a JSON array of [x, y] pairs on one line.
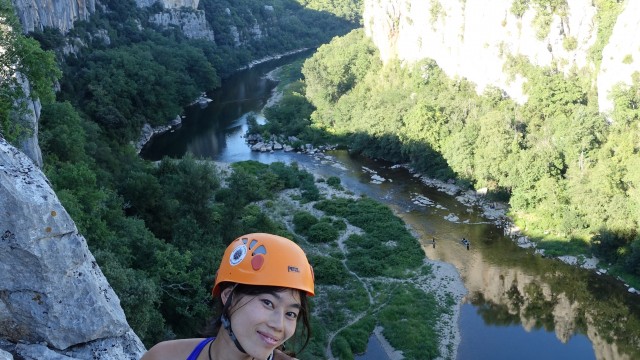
[[519, 305]]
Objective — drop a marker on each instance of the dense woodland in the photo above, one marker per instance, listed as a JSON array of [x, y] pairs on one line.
[[145, 222], [570, 175]]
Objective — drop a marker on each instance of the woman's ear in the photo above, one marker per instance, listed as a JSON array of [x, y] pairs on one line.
[[225, 294]]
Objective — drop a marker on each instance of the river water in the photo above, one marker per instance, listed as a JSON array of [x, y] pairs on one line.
[[519, 305]]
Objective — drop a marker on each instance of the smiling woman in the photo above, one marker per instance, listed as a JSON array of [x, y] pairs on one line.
[[262, 286]]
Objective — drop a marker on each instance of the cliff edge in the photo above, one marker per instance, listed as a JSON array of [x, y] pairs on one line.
[[55, 303]]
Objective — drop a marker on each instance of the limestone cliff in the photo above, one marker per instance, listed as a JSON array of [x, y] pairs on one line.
[[60, 14], [192, 23], [31, 116], [170, 4], [621, 56], [54, 301], [473, 39], [183, 14]]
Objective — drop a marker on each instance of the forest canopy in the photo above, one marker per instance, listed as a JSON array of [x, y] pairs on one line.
[[144, 222], [567, 171]]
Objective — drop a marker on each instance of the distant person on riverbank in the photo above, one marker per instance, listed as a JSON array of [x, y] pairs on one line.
[[262, 286], [433, 241], [465, 242]]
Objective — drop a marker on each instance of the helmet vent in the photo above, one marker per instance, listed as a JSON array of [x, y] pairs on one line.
[[260, 250]]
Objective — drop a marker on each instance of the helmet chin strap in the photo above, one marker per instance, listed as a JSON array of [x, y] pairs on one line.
[[226, 323]]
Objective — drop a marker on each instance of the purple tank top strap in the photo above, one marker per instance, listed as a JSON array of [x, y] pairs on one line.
[[194, 354]]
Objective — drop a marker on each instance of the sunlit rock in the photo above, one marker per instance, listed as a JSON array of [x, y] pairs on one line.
[[474, 40], [59, 14], [193, 24], [621, 56], [170, 4], [5, 355]]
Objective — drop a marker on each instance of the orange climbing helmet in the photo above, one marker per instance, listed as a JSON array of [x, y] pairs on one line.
[[265, 260]]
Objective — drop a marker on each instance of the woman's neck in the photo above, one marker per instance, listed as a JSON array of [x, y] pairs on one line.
[[223, 348]]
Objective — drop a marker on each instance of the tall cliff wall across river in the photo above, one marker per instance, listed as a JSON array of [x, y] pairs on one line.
[[473, 40], [59, 14]]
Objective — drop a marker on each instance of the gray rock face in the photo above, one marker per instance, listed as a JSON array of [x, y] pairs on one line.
[[31, 116], [192, 23], [621, 55], [170, 4], [60, 14], [51, 289], [474, 39], [5, 355]]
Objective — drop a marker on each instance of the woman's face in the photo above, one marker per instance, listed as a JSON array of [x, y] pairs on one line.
[[263, 322]]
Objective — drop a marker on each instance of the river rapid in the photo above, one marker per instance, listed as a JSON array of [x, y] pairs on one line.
[[519, 305]]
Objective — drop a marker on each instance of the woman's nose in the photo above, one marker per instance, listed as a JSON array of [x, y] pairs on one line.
[[276, 320]]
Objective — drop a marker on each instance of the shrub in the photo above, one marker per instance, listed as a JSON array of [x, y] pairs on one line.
[[328, 270], [322, 232], [334, 182], [303, 221], [570, 43]]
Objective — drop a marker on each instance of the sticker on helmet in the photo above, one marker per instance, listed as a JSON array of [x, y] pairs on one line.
[[238, 254]]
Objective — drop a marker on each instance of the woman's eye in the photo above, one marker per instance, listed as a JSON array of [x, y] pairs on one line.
[[267, 302], [292, 315]]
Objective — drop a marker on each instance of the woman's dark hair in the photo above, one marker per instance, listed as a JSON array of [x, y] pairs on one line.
[[253, 290]]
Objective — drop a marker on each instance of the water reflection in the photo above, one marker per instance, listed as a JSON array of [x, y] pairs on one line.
[[501, 337], [374, 351]]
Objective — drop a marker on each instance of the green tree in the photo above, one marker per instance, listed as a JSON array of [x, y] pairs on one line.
[[62, 134], [21, 56]]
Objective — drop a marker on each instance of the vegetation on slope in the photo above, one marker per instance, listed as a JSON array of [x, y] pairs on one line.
[[569, 174], [21, 55], [153, 228], [566, 171]]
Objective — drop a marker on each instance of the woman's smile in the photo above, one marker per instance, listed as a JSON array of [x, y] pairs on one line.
[[269, 339]]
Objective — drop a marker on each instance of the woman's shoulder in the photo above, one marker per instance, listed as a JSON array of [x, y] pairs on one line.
[[172, 349]]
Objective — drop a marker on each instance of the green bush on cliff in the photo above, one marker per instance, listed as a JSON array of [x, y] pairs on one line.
[[21, 56]]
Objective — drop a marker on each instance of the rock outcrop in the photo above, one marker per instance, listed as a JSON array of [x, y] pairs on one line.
[[59, 14], [55, 302], [170, 4], [192, 23], [474, 39], [30, 117], [621, 56], [183, 14]]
